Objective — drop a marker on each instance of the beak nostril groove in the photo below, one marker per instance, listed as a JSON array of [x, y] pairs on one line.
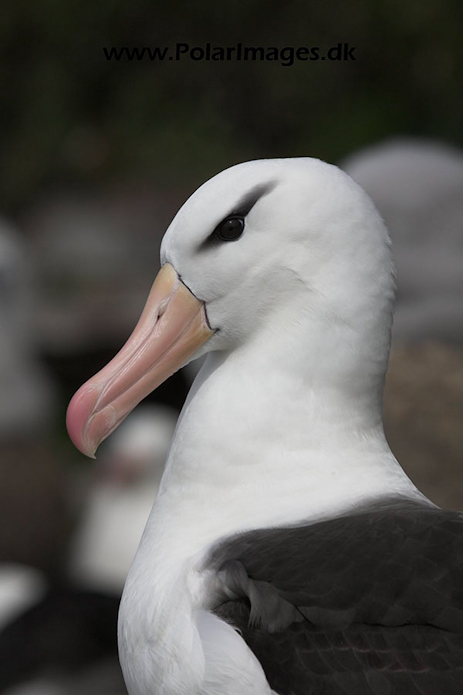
[[162, 307]]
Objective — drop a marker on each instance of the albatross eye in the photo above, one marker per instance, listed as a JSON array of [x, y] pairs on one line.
[[230, 229]]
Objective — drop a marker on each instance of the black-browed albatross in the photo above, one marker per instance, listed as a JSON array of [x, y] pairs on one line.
[[287, 552]]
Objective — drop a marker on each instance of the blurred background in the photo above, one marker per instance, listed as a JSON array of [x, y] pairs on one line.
[[97, 155]]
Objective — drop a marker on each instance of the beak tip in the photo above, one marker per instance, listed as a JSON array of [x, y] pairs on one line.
[[77, 415]]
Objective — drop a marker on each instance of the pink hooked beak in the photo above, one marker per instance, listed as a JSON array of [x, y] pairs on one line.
[[173, 325]]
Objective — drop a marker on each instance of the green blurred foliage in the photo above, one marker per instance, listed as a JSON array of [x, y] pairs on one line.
[[69, 115]]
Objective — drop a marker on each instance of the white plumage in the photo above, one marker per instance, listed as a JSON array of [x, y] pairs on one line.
[[283, 424]]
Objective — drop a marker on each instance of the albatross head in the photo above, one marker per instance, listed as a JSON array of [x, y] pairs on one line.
[[288, 255]]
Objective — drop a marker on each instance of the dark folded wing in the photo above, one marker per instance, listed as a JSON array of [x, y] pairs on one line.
[[370, 602]]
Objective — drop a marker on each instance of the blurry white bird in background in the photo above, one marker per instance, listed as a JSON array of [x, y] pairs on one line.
[[417, 186], [127, 478], [78, 621]]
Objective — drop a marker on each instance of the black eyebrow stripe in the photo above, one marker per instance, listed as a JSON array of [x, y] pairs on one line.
[[248, 201], [241, 209]]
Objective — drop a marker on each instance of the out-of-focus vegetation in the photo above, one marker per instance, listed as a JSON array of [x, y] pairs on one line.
[[69, 115]]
